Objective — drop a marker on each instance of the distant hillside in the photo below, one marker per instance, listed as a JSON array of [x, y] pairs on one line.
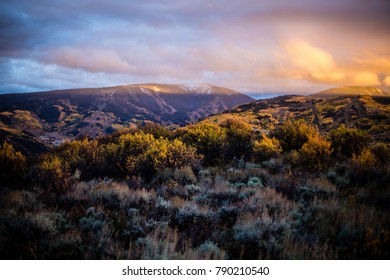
[[51, 117], [351, 90], [370, 113]]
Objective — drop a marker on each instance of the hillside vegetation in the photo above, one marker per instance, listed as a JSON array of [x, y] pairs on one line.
[[34, 122], [352, 90], [286, 178]]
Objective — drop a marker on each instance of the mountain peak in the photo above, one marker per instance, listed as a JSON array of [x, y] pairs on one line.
[[191, 88]]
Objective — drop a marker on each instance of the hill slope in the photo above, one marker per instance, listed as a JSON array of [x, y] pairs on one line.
[[64, 114], [351, 90], [371, 113]]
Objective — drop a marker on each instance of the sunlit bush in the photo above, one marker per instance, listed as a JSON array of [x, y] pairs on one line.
[[53, 175], [348, 141], [266, 148], [316, 153], [12, 165], [293, 134]]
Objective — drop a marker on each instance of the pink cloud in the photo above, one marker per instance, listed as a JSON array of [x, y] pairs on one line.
[[90, 59]]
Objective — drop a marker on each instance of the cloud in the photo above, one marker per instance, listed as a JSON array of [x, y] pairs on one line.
[[248, 45], [364, 79], [303, 61], [93, 60], [387, 81], [312, 63], [374, 62]]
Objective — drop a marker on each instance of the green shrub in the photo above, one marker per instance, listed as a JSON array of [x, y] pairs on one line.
[[157, 130], [142, 154], [293, 134], [12, 165], [207, 138], [53, 175], [382, 153], [238, 139], [266, 148], [348, 141], [316, 152]]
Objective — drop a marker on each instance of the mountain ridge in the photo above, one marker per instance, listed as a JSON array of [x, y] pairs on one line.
[[65, 114], [351, 90]]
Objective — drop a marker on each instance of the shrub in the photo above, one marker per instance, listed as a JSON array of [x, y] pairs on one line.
[[227, 215], [142, 154], [348, 141], [266, 148], [339, 175], [365, 160], [53, 175], [49, 223], [184, 175], [157, 130], [162, 204], [293, 134], [255, 182], [238, 139], [365, 167], [316, 152], [111, 194], [93, 221], [12, 165], [382, 153], [207, 138], [81, 155], [237, 176], [275, 165], [209, 251], [21, 200], [293, 158]]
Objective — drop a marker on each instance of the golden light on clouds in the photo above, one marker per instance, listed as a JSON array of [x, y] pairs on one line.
[[364, 79], [313, 63], [387, 81], [251, 46], [302, 60]]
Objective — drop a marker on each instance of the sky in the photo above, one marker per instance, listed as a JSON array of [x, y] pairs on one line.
[[252, 46]]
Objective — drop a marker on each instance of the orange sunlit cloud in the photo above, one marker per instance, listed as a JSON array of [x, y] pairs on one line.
[[249, 45]]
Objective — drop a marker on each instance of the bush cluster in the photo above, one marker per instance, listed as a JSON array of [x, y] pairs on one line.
[[208, 190]]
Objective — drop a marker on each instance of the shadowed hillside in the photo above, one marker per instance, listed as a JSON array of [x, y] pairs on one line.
[[48, 118]]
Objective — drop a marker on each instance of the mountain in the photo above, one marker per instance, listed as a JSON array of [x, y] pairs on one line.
[[351, 90], [53, 116]]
